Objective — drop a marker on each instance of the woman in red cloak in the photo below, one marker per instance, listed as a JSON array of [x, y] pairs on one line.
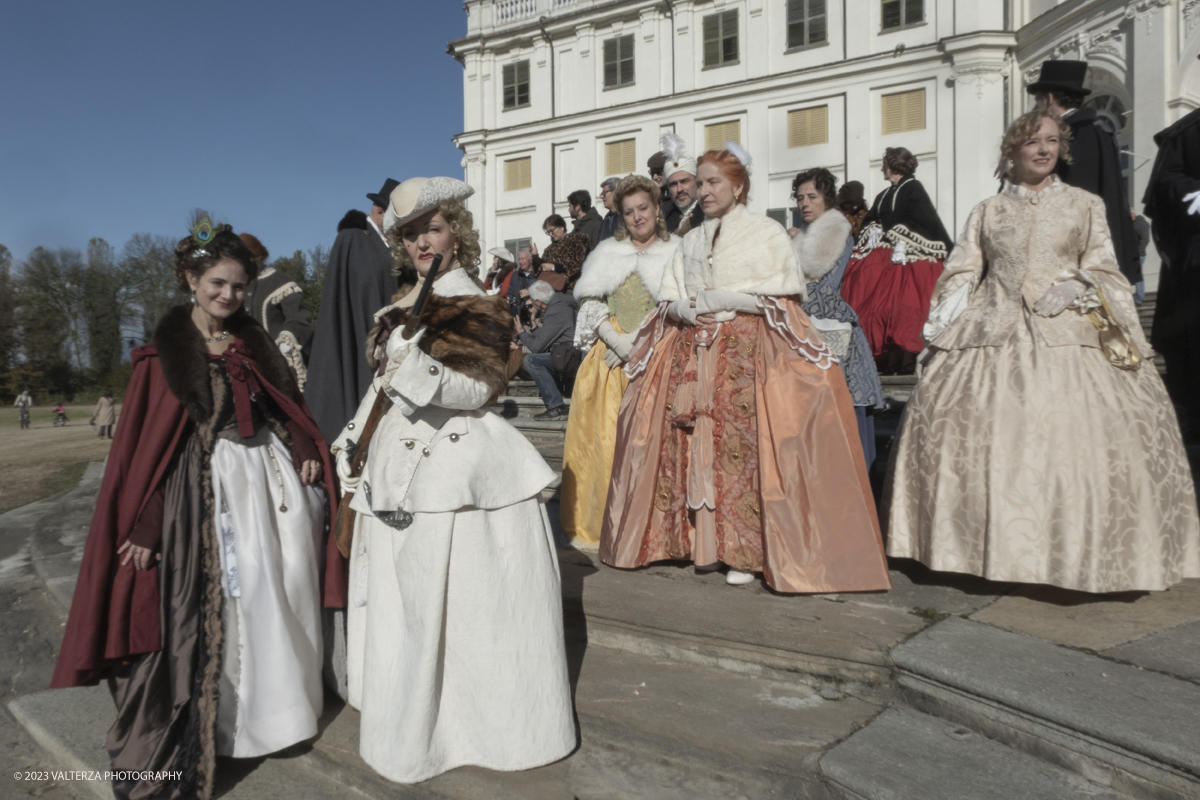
[[199, 597]]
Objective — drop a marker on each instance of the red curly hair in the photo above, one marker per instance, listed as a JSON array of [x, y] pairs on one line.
[[731, 168]]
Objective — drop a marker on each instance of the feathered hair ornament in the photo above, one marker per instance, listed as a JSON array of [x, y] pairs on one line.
[[203, 231], [740, 154], [674, 150]]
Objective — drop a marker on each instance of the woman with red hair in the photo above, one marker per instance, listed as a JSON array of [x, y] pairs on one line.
[[736, 440]]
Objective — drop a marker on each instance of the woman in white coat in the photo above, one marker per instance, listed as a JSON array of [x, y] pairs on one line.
[[455, 639]]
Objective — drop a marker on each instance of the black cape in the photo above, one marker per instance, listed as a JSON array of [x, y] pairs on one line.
[[1096, 167], [1176, 330], [906, 209], [358, 282], [277, 303]]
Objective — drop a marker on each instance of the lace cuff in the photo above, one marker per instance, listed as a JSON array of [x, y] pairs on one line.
[[1087, 299], [947, 311], [590, 315], [776, 314]]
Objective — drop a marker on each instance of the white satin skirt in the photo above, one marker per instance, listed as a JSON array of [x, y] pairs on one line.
[[270, 692], [455, 648]]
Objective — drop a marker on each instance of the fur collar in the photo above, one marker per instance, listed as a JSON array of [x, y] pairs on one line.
[[184, 358], [612, 262], [753, 255], [819, 245]]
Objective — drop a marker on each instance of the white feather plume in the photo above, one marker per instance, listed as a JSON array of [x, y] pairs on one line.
[[740, 154], [674, 148]]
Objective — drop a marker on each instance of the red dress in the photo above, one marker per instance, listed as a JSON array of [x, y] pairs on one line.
[[895, 265]]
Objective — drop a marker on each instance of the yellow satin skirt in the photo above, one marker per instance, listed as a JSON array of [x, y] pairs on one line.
[[591, 442]]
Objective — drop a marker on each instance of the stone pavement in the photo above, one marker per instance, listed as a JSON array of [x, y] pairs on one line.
[[946, 687]]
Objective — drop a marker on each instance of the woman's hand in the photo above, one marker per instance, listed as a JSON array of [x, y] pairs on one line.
[[310, 472], [142, 557], [548, 267], [1056, 299]]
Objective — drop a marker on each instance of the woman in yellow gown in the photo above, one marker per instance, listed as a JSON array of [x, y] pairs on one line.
[[617, 291]]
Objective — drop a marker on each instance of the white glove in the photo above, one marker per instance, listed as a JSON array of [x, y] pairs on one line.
[[1056, 299], [620, 343], [1194, 199], [343, 470], [612, 360], [682, 310], [285, 348], [711, 301], [398, 347]]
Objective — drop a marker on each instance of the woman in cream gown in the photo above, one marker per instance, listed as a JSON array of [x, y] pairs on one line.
[[1024, 454], [616, 295], [455, 651], [736, 440]]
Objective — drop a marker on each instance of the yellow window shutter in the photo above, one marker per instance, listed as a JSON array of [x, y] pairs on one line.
[[808, 126], [914, 111], [904, 112], [518, 174], [620, 158], [717, 134]]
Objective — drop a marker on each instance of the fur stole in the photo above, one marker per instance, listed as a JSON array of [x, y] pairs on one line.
[[753, 255], [612, 262], [354, 219], [820, 244], [184, 358], [468, 332]]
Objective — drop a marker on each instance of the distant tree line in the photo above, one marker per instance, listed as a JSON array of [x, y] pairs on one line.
[[71, 318]]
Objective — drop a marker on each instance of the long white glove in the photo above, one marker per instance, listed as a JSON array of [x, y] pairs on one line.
[[711, 301], [682, 310], [1057, 298], [398, 347], [611, 359], [619, 343], [348, 482], [1194, 199]]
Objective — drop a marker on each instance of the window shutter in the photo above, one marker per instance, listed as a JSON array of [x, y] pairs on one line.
[[816, 21], [729, 36], [892, 14], [779, 215], [715, 136], [620, 158], [712, 40], [808, 126], [796, 18], [610, 62], [516, 246], [510, 85], [914, 11], [518, 174], [522, 83], [904, 112]]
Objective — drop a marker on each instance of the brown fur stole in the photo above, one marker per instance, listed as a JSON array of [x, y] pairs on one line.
[[184, 358], [468, 334]]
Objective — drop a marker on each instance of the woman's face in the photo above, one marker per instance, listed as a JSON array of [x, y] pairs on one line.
[[892, 177], [1036, 159], [810, 201], [221, 289], [427, 236], [717, 194], [640, 213], [555, 232]]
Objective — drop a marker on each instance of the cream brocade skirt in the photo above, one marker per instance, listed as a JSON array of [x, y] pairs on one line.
[[1042, 464]]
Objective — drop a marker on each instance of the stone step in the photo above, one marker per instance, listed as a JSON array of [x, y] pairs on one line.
[[518, 388], [520, 407], [1117, 725], [676, 613], [906, 755]]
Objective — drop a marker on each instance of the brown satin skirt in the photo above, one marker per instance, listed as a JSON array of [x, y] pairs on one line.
[[769, 439], [157, 725]]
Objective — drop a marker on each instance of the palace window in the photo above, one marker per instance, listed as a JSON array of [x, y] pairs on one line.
[[516, 84], [716, 135], [805, 22], [721, 39], [618, 61], [516, 246], [808, 126], [904, 111], [902, 13], [620, 158], [518, 174]]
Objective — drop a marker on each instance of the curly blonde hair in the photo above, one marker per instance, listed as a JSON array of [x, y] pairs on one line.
[[631, 185], [1024, 128], [466, 239]]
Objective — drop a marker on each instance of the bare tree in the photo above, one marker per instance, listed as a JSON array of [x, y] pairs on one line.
[[148, 266]]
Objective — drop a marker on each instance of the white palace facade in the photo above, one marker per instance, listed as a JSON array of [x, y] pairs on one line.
[[559, 94]]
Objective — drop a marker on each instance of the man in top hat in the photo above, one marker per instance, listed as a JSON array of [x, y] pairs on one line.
[[358, 282], [679, 171], [1095, 157]]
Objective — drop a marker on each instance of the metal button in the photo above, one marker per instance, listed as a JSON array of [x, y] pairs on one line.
[[425, 451], [454, 437], [350, 426], [433, 370], [410, 445]]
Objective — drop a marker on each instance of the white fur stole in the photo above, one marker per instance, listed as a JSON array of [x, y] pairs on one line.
[[607, 267], [820, 245]]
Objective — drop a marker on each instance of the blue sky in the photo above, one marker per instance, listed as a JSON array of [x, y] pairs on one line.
[[119, 117]]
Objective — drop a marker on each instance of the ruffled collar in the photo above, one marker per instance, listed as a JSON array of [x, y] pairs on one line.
[[1056, 185]]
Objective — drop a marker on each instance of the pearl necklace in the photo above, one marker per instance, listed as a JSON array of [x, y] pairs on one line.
[[213, 339]]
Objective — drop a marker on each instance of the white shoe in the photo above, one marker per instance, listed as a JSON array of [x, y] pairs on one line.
[[736, 577]]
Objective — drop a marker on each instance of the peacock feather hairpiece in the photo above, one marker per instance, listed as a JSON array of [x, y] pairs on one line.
[[203, 231]]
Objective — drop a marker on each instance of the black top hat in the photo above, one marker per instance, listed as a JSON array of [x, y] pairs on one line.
[[1061, 76], [385, 194], [657, 162]]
